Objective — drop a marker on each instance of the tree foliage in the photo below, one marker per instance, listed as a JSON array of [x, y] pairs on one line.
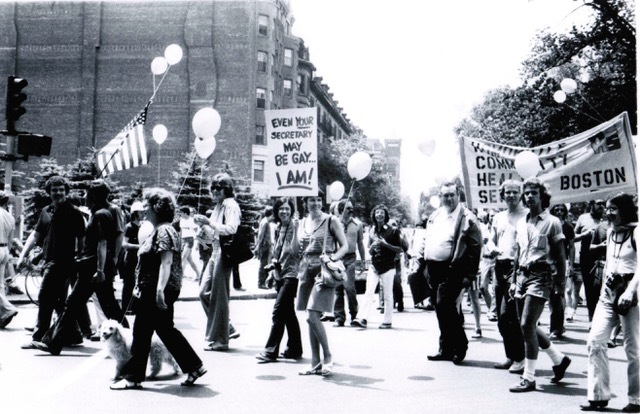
[[376, 188], [599, 56]]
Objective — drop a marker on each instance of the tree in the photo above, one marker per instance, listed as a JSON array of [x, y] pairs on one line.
[[601, 56], [376, 188], [191, 183]]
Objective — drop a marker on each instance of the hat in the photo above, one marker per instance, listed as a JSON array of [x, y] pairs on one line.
[[136, 206]]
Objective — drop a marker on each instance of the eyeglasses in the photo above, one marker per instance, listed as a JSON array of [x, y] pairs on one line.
[[217, 188]]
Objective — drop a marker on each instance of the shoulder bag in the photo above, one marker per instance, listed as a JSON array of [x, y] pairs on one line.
[[333, 272]]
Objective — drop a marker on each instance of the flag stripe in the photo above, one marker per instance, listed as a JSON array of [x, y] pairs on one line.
[[128, 149]]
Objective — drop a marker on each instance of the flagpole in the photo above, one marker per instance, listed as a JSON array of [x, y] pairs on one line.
[[186, 176]]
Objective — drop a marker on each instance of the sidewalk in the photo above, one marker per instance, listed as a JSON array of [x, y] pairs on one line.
[[248, 277]]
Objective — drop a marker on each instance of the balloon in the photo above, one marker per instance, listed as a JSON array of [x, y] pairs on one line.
[[440, 179], [434, 201], [206, 122], [527, 164], [160, 133], [205, 146], [336, 190], [145, 230], [427, 146], [173, 54], [560, 96], [159, 65], [568, 85], [359, 165]]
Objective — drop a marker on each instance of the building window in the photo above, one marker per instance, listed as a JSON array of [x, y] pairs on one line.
[[261, 95], [273, 64], [258, 171], [263, 59], [300, 84], [260, 135], [287, 87], [288, 57], [263, 25]]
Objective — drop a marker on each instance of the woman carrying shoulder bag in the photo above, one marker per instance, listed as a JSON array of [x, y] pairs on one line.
[[618, 303]]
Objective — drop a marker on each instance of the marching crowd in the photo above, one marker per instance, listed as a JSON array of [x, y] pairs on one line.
[[520, 260]]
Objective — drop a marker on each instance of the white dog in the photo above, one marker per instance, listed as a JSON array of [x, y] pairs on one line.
[[118, 340]]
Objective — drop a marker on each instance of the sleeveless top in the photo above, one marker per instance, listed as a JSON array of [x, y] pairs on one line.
[[311, 238], [621, 254]]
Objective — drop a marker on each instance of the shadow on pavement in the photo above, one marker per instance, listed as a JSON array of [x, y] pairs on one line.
[[355, 381], [195, 391]]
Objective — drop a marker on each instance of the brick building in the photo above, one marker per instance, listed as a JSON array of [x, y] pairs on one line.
[[88, 67]]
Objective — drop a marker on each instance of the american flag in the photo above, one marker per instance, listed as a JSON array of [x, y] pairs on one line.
[[127, 150]]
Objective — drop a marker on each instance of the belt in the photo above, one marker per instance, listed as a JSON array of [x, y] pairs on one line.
[[3, 244], [535, 265], [349, 255], [504, 261]]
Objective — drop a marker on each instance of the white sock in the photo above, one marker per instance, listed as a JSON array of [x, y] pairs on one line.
[[555, 355], [529, 369]]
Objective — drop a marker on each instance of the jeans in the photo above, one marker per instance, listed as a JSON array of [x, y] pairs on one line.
[[150, 319], [76, 304], [214, 296], [265, 259], [370, 294], [348, 287], [284, 316], [603, 322], [508, 323]]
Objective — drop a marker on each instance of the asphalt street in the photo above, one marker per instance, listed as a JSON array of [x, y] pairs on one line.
[[375, 370]]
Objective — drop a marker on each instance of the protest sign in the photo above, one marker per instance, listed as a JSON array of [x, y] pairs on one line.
[[292, 146], [597, 163]]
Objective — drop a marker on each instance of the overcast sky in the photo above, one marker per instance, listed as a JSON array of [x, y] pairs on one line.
[[413, 69]]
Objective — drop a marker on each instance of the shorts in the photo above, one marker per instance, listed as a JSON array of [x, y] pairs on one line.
[[187, 242], [312, 293], [537, 282]]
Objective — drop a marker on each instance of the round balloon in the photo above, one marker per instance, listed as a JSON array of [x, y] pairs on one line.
[[560, 96], [173, 54], [159, 65], [336, 190], [206, 122], [205, 146], [527, 164], [145, 230], [568, 85], [427, 146], [434, 200], [359, 165], [160, 133]]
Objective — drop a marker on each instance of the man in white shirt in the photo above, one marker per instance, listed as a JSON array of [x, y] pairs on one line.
[[451, 250]]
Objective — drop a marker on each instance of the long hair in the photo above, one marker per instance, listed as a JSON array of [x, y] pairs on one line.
[[279, 203], [533, 182], [162, 203], [373, 214], [626, 207]]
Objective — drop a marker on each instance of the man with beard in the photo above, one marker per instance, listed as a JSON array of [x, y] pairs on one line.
[[452, 252], [59, 230]]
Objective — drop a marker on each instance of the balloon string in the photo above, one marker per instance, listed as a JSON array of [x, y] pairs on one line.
[[591, 106], [200, 183], [344, 210], [186, 176], [155, 88], [584, 113]]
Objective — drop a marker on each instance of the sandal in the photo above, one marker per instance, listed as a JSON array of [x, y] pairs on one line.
[[193, 376], [123, 384], [327, 369], [315, 370]]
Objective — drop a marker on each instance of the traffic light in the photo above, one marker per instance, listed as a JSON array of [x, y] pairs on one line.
[[33, 144], [15, 98]]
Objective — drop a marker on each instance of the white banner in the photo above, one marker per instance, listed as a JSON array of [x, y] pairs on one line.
[[597, 163], [292, 147]]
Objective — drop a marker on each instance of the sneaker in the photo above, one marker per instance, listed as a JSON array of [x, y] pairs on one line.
[[478, 334], [517, 367], [338, 324], [28, 345], [234, 334], [327, 318], [385, 326], [362, 323], [14, 290], [264, 357], [524, 386], [631, 408], [492, 317], [5, 321], [560, 369]]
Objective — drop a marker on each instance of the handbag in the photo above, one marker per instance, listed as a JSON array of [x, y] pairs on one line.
[[617, 284], [333, 272], [236, 248]]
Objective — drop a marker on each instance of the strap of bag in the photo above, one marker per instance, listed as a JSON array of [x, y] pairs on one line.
[[326, 233]]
